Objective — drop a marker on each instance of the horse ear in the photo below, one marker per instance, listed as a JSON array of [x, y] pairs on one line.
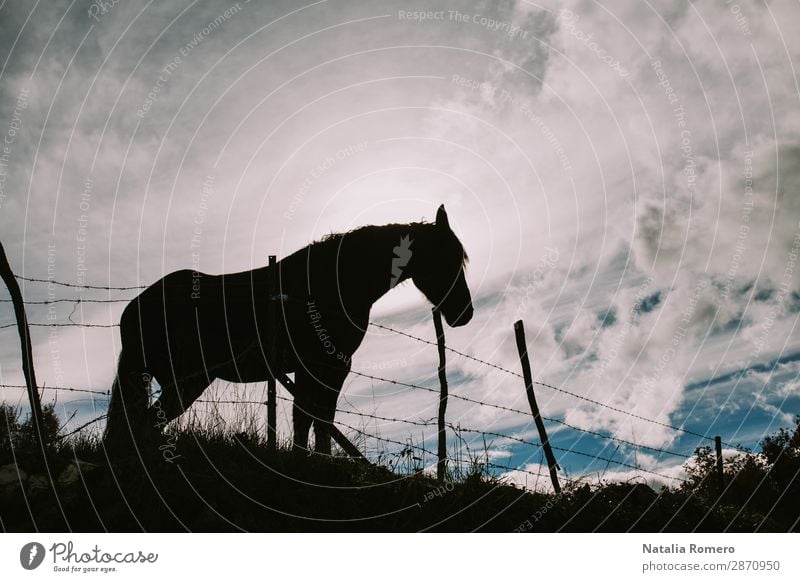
[[441, 218]]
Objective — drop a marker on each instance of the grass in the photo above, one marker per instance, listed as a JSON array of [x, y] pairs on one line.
[[216, 477]]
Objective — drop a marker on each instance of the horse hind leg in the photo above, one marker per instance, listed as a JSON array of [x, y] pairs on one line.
[[320, 391], [128, 423]]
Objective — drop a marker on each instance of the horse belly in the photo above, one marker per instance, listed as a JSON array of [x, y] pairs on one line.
[[245, 369]]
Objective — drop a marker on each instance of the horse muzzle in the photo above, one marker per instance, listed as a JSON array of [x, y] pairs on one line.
[[462, 318]]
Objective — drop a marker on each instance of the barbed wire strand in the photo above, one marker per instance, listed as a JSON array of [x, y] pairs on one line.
[[417, 423], [527, 414], [431, 453], [570, 451], [71, 300], [399, 332], [75, 286], [449, 349], [550, 386], [104, 325], [458, 428], [59, 388], [392, 330], [455, 428]]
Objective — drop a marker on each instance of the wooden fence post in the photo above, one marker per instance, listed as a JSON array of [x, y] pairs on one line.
[[441, 465], [272, 323], [720, 470], [25, 342], [522, 348]]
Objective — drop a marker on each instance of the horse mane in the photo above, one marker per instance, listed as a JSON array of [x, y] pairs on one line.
[[358, 231], [368, 229]]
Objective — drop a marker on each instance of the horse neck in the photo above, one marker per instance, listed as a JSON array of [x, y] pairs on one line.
[[378, 256]]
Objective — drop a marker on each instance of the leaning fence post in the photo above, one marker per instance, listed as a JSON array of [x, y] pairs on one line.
[[272, 322], [441, 465], [25, 342], [522, 348], [720, 471]]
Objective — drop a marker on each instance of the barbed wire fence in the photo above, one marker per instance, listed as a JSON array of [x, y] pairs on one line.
[[409, 445]]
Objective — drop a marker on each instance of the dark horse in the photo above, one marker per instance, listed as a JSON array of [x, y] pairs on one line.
[[190, 328]]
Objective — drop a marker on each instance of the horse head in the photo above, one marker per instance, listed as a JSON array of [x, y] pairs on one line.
[[437, 270]]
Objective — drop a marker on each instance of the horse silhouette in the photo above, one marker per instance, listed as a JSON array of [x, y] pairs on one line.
[[190, 328]]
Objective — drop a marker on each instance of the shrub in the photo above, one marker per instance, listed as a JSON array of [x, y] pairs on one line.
[[18, 437]]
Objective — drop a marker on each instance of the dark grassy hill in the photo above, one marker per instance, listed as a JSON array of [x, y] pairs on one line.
[[218, 482]]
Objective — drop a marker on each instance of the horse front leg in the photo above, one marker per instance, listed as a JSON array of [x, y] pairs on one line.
[[128, 415], [176, 397], [322, 423], [301, 420], [329, 385], [317, 392]]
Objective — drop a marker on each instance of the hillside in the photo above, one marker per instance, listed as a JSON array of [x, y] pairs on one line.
[[231, 482]]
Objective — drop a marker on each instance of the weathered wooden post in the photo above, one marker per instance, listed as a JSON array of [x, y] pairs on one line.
[[522, 348], [25, 343], [272, 324], [720, 470], [441, 465]]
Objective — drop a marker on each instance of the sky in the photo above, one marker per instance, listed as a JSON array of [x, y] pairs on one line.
[[624, 176]]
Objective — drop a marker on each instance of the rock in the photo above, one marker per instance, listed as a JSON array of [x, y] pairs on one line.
[[69, 475], [74, 472], [11, 475], [12, 480], [38, 483]]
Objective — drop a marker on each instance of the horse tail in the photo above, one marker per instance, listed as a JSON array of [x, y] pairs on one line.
[[128, 411]]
